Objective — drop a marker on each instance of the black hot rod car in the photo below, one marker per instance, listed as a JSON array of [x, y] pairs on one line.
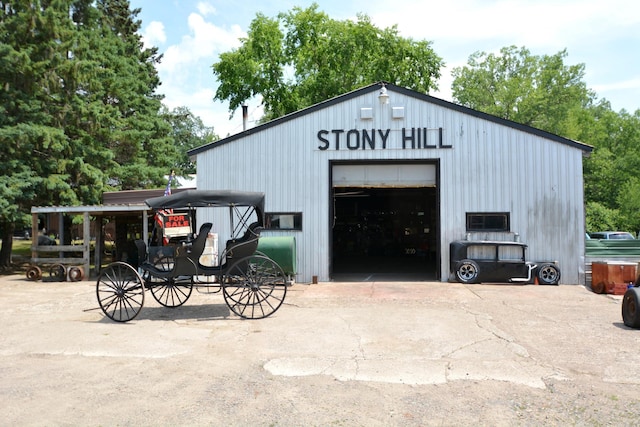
[[474, 261]]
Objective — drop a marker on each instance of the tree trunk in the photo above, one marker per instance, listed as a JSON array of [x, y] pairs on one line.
[[7, 245]]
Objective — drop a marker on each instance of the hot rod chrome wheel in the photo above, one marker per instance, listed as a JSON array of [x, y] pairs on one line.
[[467, 271], [548, 274]]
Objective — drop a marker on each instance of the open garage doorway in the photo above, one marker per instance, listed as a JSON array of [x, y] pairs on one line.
[[383, 233]]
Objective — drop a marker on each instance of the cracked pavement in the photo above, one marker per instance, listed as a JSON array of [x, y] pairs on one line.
[[356, 353]]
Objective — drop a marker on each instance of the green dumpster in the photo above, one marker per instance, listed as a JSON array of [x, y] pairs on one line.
[[281, 249]]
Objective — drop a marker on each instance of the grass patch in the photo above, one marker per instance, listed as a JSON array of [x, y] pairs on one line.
[[21, 248]]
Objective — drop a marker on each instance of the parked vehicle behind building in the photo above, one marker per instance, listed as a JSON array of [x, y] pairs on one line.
[[22, 233], [612, 235]]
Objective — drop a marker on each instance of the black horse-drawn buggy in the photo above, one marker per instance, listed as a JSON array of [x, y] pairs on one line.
[[173, 264]]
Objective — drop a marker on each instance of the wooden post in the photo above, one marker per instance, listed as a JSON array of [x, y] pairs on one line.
[[86, 250], [34, 235], [97, 257]]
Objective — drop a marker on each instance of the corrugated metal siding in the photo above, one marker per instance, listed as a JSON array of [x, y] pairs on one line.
[[491, 168]]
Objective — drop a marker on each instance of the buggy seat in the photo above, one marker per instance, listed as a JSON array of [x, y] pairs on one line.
[[186, 257], [244, 246]]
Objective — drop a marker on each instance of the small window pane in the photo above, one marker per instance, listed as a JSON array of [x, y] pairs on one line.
[[283, 221], [492, 221]]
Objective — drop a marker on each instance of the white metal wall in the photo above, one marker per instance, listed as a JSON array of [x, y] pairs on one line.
[[387, 175], [490, 167]]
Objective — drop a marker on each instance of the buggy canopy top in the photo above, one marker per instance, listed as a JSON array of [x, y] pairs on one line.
[[209, 199]]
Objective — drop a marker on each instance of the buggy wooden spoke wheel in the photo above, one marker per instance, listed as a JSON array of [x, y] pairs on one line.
[[254, 287], [120, 292], [170, 292]]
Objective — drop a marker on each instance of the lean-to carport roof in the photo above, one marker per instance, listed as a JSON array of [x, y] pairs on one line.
[[408, 92], [129, 197], [114, 203], [93, 209]]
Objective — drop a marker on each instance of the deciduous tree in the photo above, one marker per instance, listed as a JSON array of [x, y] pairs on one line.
[[304, 57], [539, 91], [544, 92], [187, 131]]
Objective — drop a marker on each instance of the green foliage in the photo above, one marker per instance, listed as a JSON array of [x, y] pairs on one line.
[[628, 201], [187, 132], [303, 57], [543, 92], [539, 91], [140, 141], [601, 177], [78, 109], [611, 172], [601, 218]]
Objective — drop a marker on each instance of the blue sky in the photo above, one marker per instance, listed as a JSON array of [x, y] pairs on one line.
[[604, 35]]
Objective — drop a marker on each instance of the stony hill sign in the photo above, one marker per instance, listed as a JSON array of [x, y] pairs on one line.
[[381, 139]]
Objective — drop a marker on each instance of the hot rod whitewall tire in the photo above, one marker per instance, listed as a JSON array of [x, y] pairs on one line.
[[548, 274], [467, 271]]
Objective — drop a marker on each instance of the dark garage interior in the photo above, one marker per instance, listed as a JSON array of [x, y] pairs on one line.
[[384, 234]]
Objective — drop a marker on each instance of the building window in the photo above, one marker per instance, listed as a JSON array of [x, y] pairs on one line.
[[492, 221], [283, 221]]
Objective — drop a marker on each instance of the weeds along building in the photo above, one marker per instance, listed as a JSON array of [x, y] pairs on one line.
[[377, 182]]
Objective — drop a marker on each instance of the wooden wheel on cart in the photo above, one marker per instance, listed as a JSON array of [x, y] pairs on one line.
[[120, 291], [58, 272], [34, 273], [76, 274], [254, 287]]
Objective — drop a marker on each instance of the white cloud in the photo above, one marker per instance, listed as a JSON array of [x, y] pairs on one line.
[[594, 32], [633, 84], [200, 103], [186, 75], [536, 24], [154, 34], [206, 8], [457, 29], [204, 41]]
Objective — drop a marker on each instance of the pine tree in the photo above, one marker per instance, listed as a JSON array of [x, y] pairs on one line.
[[78, 108], [141, 142]]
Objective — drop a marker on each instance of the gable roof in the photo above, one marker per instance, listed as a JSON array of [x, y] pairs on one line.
[[402, 90]]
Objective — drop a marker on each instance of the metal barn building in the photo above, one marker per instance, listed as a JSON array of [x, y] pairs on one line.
[[380, 180]]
